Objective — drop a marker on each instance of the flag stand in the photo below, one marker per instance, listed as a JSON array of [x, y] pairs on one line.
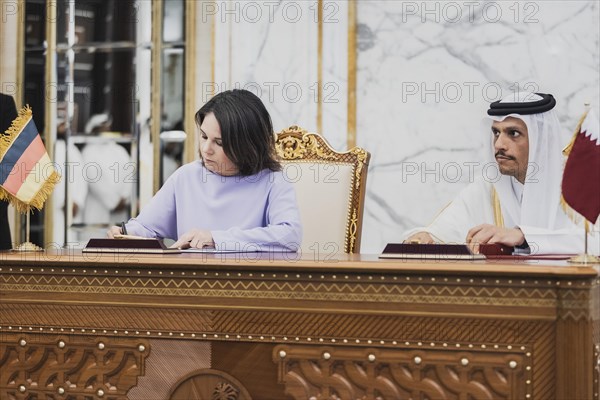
[[585, 258], [31, 187], [27, 246]]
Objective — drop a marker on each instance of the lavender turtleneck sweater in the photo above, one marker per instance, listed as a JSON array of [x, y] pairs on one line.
[[257, 212]]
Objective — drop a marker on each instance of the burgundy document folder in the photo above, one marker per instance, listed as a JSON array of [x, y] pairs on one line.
[[443, 251], [106, 245]]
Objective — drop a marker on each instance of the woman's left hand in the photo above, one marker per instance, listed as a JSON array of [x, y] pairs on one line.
[[196, 239]]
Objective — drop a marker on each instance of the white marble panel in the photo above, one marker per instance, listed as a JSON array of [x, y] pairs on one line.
[[426, 73], [335, 73], [270, 48]]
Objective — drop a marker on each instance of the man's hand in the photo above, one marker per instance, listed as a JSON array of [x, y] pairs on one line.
[[195, 238], [421, 238], [486, 233]]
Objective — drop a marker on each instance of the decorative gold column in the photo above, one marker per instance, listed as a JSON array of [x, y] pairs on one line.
[[20, 51], [189, 107], [320, 67], [18, 237], [351, 74], [157, 18], [50, 92]]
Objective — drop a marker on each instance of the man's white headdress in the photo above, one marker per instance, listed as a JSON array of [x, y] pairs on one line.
[[540, 204]]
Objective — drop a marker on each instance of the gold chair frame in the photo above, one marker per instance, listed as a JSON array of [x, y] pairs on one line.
[[295, 144]]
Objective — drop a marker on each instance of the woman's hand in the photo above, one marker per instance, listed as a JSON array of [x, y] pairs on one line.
[[196, 239], [114, 230]]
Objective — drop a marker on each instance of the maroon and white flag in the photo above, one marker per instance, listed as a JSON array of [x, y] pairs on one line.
[[581, 177]]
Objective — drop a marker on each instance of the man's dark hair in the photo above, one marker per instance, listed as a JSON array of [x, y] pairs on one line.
[[246, 130]]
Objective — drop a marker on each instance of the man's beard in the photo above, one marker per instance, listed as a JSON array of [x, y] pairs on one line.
[[511, 169]]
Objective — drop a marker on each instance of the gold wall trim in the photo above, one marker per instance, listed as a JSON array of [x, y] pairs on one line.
[[51, 7], [20, 52], [157, 15], [351, 138], [50, 108], [18, 237], [190, 81]]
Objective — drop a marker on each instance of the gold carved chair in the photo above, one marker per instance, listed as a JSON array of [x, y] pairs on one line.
[[330, 187]]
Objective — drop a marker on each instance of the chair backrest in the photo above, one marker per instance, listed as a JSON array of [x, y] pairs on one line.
[[330, 188]]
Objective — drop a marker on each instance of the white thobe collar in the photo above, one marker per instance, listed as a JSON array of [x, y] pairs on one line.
[[517, 188]]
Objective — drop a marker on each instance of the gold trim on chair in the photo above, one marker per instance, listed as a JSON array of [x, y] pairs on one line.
[[295, 144]]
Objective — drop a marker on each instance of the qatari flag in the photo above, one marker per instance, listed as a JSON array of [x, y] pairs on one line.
[[581, 177]]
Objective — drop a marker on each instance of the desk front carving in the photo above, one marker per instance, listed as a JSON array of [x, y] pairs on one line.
[[356, 328], [45, 365]]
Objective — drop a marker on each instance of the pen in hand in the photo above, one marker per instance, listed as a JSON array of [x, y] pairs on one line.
[[125, 235]]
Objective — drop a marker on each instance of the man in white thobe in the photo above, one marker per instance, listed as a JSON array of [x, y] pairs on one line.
[[520, 207]]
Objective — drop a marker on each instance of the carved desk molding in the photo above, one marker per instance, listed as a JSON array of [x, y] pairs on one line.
[[326, 326]]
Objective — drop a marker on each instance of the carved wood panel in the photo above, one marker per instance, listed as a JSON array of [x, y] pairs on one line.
[[169, 362], [376, 374], [209, 384], [42, 366]]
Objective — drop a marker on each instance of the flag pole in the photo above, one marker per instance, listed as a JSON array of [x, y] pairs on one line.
[[27, 225], [587, 229], [585, 259], [27, 246]]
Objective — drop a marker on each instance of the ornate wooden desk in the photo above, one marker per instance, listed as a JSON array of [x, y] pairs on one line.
[[261, 326]]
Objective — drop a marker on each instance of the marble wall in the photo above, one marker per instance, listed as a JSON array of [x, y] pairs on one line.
[[270, 48], [426, 71]]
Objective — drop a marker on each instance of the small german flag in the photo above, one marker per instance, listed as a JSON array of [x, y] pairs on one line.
[[27, 175]]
